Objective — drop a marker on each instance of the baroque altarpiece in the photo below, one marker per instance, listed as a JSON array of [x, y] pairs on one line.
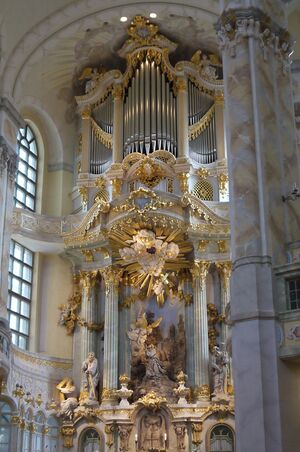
[[151, 260]]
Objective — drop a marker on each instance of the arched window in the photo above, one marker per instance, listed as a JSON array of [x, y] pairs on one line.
[[5, 421], [26, 178], [90, 441], [221, 439]]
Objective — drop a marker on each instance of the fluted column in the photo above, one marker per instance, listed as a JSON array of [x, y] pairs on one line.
[[219, 119], [88, 312], [86, 139], [182, 118], [118, 124], [224, 269], [201, 348], [111, 276]]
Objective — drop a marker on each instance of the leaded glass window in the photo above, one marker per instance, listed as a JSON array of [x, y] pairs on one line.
[[19, 293], [26, 178]]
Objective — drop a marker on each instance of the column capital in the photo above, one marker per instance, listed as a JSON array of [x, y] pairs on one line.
[[86, 112], [88, 280], [118, 92], [111, 275], [199, 271], [236, 25], [224, 269], [181, 83]]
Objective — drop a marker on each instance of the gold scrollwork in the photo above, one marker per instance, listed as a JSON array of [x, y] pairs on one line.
[[67, 432], [196, 129], [104, 137]]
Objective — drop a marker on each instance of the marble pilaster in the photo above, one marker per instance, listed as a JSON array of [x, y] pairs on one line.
[[201, 346], [220, 132], [254, 47], [111, 276], [224, 269]]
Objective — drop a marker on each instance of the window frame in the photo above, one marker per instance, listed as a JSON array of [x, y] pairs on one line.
[[295, 279], [27, 134], [16, 332]]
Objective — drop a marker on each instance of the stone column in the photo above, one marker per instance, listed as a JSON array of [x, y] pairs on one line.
[[262, 163], [10, 122], [219, 118], [224, 269], [182, 118], [117, 156], [201, 349], [86, 139], [112, 276], [88, 313]]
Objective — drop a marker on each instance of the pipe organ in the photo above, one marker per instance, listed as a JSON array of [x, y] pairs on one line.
[[159, 107], [202, 147], [149, 111]]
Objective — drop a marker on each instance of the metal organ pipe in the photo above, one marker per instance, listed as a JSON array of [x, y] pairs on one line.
[[149, 111]]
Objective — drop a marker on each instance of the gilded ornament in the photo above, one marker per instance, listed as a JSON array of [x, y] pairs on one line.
[[67, 432], [196, 129], [181, 84], [184, 182], [203, 173], [116, 187], [199, 271], [88, 254], [142, 31], [112, 276], [219, 97], [149, 172], [84, 195], [223, 179], [104, 137], [202, 245], [225, 269], [202, 392], [86, 112], [118, 91], [152, 401], [100, 182], [213, 318]]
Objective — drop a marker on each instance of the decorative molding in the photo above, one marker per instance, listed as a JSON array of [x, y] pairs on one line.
[[12, 112], [42, 361], [234, 25]]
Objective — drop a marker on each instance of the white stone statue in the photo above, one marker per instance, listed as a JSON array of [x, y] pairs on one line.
[[68, 399], [90, 377], [154, 367], [219, 367]]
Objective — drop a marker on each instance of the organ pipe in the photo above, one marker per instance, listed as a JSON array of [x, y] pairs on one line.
[[150, 111]]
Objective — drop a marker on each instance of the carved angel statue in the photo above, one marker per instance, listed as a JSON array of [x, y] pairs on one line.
[[154, 367], [138, 335], [68, 401], [219, 366], [90, 377], [92, 76]]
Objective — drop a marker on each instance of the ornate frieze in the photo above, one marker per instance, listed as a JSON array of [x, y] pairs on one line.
[[236, 25]]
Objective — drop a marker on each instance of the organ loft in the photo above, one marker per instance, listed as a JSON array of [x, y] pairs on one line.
[[150, 256]]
